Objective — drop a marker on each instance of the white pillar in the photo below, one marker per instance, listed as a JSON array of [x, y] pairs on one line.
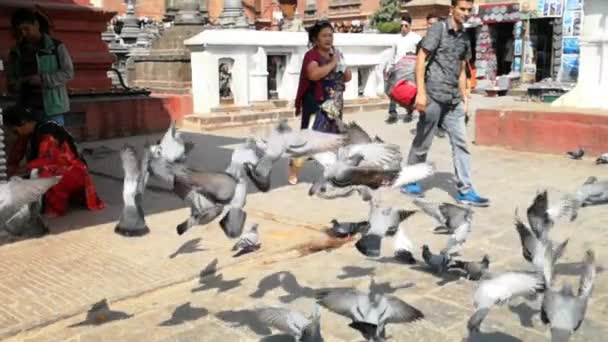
[[352, 87], [240, 79], [205, 81], [258, 77], [592, 85]]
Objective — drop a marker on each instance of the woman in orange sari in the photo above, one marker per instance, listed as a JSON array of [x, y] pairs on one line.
[[52, 150]]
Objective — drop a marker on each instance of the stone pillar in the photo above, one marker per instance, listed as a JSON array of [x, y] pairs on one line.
[[592, 85], [233, 15], [130, 29], [258, 77], [189, 13]]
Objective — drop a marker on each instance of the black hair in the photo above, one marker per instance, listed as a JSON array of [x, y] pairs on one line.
[[455, 2], [407, 18], [28, 16], [314, 30], [18, 116], [432, 15]]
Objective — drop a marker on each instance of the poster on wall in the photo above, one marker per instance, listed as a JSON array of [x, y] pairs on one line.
[[517, 64], [550, 8], [517, 48], [570, 68], [571, 45], [572, 23], [574, 5]]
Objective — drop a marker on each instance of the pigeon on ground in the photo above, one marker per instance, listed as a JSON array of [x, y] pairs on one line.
[[248, 242], [370, 312], [602, 159], [20, 205], [534, 242], [283, 141], [577, 155], [303, 329], [474, 270], [499, 289], [403, 248], [563, 310], [437, 262], [383, 221], [172, 146], [132, 221], [346, 229], [592, 192], [448, 216]]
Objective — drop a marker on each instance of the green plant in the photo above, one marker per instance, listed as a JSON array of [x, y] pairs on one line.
[[388, 11], [389, 27]]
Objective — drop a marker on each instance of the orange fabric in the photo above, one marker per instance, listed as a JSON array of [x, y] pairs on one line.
[[59, 160], [473, 79]]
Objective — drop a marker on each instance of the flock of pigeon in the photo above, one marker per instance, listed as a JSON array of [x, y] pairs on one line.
[[354, 163]]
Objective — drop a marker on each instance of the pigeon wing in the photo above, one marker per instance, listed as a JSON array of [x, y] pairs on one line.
[[529, 243], [308, 142], [25, 191], [506, 286], [342, 301], [401, 312], [172, 146], [588, 277], [413, 173], [283, 319], [387, 156], [431, 209]]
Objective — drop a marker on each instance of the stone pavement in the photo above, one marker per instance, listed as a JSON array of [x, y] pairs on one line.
[[48, 284]]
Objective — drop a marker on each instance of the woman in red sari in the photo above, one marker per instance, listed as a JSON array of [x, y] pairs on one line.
[[52, 150]]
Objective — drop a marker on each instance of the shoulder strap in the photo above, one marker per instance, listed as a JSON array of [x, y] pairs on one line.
[[432, 56]]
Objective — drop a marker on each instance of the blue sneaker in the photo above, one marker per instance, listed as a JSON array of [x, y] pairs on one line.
[[412, 189], [472, 198]]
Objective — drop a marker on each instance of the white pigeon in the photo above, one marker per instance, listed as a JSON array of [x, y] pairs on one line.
[[403, 247], [172, 146], [132, 221]]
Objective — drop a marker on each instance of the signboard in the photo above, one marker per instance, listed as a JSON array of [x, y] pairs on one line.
[[551, 8], [572, 26]]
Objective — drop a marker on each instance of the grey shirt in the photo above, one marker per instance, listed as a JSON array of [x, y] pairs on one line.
[[448, 49]]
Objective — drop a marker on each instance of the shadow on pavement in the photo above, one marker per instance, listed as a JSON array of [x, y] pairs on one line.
[[185, 313], [209, 279]]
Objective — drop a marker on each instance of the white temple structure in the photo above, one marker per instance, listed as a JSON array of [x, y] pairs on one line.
[[247, 53], [592, 86]]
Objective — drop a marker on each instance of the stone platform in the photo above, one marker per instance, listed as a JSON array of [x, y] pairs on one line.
[[542, 128]]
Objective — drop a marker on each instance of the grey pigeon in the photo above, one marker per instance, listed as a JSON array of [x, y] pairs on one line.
[[437, 262], [247, 152], [602, 159], [132, 221], [592, 192], [302, 328], [172, 146], [207, 193], [345, 229], [248, 242], [577, 154], [458, 237], [474, 270], [383, 221], [542, 217], [534, 243], [283, 141], [356, 134], [403, 248], [20, 205], [499, 289], [563, 310], [370, 312], [448, 216]]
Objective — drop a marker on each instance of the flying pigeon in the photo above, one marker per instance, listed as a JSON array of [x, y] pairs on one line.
[[499, 289], [474, 270], [132, 221], [563, 310], [448, 216], [403, 248], [542, 217], [172, 146], [458, 237], [602, 159], [534, 242], [577, 155], [20, 204], [248, 152], [370, 312], [283, 141], [248, 242], [303, 329], [207, 193]]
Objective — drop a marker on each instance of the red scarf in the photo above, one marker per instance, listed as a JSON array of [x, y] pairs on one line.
[[311, 55]]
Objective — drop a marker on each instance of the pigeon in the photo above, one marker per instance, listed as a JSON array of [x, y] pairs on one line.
[[534, 242], [592, 192], [185, 313], [403, 248], [346, 229], [602, 159], [437, 262], [458, 237], [381, 155], [248, 242], [576, 155], [356, 134], [188, 247], [304, 329], [499, 289], [20, 205], [563, 310], [132, 221], [542, 217], [172, 146], [448, 216], [382, 221], [247, 152], [207, 193], [100, 313], [369, 312], [474, 269], [28, 220], [283, 141]]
